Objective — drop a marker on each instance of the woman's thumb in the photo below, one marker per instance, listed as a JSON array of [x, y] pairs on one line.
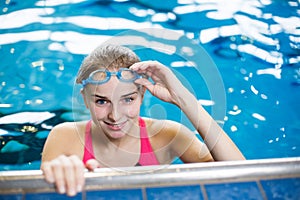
[[92, 164], [145, 82]]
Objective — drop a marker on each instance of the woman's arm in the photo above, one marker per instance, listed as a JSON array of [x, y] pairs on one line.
[[61, 164], [168, 88], [218, 142]]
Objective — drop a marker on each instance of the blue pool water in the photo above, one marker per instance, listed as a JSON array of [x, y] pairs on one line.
[[240, 58]]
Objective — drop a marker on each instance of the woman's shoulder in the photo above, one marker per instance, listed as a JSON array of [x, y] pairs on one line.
[[166, 123], [167, 134], [162, 126], [65, 138], [69, 127]]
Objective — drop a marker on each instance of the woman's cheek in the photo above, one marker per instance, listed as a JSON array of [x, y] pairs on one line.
[[99, 113], [133, 111]]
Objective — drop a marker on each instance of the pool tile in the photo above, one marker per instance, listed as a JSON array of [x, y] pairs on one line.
[[189, 192], [287, 189], [11, 196], [51, 196], [233, 191], [130, 194]]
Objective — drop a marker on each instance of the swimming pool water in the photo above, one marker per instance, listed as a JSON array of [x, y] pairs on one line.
[[240, 58]]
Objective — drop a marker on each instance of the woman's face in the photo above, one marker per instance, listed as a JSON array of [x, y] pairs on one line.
[[114, 106]]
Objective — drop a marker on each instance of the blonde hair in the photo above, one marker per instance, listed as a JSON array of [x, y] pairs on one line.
[[111, 57]]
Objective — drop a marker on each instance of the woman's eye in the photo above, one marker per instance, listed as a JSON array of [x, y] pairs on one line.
[[101, 101], [128, 99]]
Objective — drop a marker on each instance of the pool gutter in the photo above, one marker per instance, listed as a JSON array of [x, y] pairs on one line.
[[165, 175]]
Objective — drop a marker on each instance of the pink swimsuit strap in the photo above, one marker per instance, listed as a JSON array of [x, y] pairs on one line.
[[88, 144], [147, 156]]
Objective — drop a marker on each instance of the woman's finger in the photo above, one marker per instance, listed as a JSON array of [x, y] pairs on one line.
[[79, 172], [92, 164], [69, 175], [47, 171], [146, 83], [144, 66], [153, 69], [59, 176]]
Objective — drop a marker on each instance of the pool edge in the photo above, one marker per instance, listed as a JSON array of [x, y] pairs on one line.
[[25, 181]]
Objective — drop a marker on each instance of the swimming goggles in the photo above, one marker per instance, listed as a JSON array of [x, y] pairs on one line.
[[102, 76]]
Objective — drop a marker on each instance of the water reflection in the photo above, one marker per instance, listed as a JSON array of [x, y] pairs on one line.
[[267, 32], [255, 46]]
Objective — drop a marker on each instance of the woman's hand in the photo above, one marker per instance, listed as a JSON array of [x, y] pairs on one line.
[[166, 86], [66, 172]]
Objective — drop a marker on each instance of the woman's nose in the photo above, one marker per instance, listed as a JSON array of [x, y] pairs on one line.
[[114, 113]]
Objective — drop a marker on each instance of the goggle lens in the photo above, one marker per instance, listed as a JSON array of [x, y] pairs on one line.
[[101, 76], [127, 75]]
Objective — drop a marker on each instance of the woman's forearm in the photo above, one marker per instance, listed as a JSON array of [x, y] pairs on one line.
[[218, 142]]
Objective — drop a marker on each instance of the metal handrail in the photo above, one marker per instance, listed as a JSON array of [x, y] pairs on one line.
[[180, 174]]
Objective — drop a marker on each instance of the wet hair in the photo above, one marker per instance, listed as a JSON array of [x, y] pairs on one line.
[[111, 57]]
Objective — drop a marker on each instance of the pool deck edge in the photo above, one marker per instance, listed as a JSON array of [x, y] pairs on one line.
[[25, 181]]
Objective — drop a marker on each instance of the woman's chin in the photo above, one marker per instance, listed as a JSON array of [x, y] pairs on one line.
[[116, 134]]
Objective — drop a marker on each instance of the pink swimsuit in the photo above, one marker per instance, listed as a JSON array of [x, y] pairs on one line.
[[147, 156]]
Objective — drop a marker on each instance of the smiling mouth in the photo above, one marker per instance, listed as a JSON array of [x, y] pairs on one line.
[[115, 126]]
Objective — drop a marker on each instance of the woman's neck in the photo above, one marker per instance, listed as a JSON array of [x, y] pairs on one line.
[[102, 139]]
